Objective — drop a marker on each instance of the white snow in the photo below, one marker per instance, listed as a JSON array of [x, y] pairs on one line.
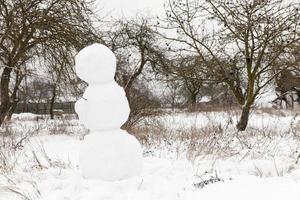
[[108, 153], [115, 156], [96, 63], [103, 107], [271, 175], [252, 188], [265, 99]]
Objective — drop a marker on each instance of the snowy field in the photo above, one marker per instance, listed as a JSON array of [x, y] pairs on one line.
[[187, 156]]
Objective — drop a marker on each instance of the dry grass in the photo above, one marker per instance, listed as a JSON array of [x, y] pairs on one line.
[[41, 160], [219, 140], [15, 141], [214, 139], [12, 145], [195, 142]]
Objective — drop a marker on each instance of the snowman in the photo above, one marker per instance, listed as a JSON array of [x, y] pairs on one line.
[[107, 153]]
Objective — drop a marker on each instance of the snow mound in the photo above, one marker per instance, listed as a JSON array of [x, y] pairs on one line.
[[110, 156]]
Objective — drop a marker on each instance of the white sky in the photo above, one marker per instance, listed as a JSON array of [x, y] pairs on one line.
[[129, 8]]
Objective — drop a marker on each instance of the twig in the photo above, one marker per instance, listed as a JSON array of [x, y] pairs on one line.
[[18, 193], [298, 158], [140, 184]]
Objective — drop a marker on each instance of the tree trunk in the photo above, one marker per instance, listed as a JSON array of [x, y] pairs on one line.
[[298, 96], [52, 102], [129, 84], [243, 122], [4, 92], [13, 97], [192, 102], [12, 110], [193, 98]]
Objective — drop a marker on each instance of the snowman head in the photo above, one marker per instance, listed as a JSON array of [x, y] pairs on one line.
[[96, 64]]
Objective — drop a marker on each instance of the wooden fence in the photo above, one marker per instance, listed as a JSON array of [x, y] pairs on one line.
[[43, 108]]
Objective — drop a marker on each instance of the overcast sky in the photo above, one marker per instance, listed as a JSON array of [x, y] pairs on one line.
[[129, 8]]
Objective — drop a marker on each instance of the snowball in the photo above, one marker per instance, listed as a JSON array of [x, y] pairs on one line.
[[103, 107], [110, 156], [96, 64]]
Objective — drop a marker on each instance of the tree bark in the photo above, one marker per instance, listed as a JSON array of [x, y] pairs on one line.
[[14, 100], [192, 102], [52, 102], [12, 110], [193, 98], [4, 92], [243, 122], [129, 84]]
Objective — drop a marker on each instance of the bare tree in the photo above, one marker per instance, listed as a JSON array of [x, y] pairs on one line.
[[288, 78], [287, 88], [136, 46], [134, 42], [239, 41], [172, 96], [184, 68], [29, 28]]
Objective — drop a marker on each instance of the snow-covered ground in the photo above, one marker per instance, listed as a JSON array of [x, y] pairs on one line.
[[254, 167]]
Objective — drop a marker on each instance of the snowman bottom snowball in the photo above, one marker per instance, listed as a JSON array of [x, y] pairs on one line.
[[110, 156]]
